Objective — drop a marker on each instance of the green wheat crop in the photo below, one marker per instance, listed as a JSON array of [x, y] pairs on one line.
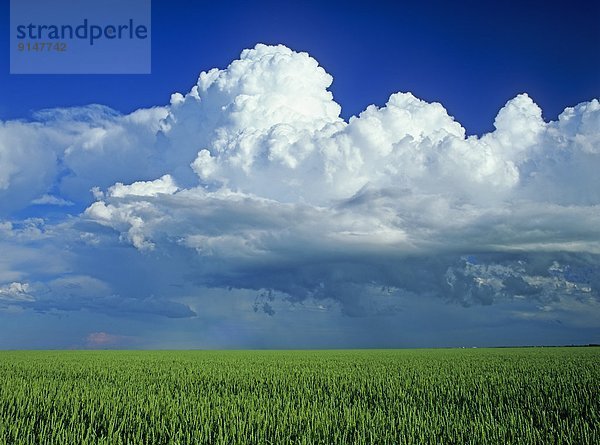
[[473, 396]]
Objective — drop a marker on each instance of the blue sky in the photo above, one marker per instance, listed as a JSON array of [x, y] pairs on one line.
[[471, 56], [268, 205]]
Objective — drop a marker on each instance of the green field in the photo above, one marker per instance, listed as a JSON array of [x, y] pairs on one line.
[[444, 396]]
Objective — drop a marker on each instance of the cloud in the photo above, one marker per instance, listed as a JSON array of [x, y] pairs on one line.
[[252, 180], [51, 200], [15, 292], [27, 167], [69, 151], [99, 340], [144, 188], [80, 292], [582, 313]]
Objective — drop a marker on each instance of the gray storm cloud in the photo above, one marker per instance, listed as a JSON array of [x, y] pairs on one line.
[[253, 181]]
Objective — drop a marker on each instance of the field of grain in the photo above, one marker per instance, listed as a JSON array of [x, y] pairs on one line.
[[460, 396]]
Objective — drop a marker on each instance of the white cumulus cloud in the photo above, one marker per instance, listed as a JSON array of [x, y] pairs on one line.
[[254, 175]]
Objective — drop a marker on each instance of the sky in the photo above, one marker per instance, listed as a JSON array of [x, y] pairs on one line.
[[311, 175]]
